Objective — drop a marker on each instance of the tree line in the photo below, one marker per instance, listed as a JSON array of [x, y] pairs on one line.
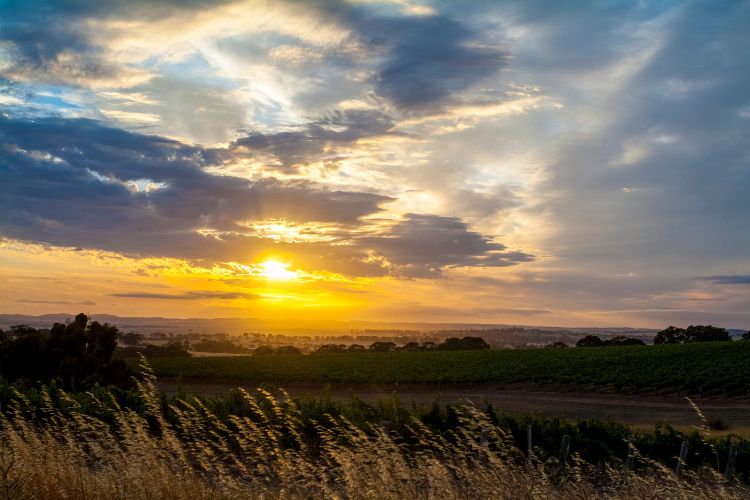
[[450, 344], [669, 335]]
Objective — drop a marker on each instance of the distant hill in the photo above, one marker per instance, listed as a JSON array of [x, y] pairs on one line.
[[292, 326]]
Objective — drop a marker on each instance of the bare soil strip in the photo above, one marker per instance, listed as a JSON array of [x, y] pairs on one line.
[[631, 409]]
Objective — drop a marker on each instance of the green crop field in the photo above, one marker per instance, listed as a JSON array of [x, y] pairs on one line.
[[712, 367]]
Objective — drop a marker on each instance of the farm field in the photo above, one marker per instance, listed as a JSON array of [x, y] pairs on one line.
[[721, 368]]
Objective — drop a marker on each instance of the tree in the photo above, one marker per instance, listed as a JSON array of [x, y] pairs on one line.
[[288, 349], [383, 346], [706, 333], [623, 340], [331, 348], [670, 335], [463, 344], [131, 338], [77, 355], [746, 335], [263, 350], [693, 333], [412, 346], [590, 341]]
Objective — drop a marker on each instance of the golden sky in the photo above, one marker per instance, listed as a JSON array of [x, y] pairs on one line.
[[511, 162]]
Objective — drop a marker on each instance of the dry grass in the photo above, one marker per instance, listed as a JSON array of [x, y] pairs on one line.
[[76, 456]]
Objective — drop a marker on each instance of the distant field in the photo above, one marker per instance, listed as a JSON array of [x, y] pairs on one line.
[[722, 367]]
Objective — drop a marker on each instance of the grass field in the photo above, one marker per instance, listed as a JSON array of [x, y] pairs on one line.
[[722, 367]]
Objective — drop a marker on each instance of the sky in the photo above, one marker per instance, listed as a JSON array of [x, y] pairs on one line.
[[520, 162]]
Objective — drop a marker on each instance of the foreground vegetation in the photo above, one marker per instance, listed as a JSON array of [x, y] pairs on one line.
[[144, 445], [718, 367]]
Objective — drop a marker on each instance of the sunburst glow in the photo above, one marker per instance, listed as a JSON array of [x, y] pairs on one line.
[[277, 271]]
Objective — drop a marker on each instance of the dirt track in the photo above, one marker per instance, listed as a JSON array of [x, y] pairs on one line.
[[636, 409]]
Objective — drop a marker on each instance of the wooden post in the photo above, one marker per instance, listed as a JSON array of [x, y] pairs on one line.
[[484, 437], [681, 459], [564, 448], [731, 462], [385, 425], [630, 459], [529, 449]]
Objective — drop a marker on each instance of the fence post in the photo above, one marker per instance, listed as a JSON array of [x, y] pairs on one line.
[[385, 425], [731, 461], [630, 459], [681, 460], [484, 437], [528, 443], [564, 449]]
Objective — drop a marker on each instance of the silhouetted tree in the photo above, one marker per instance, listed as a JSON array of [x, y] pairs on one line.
[[263, 350], [331, 349], [77, 355], [131, 338], [693, 333], [670, 335], [623, 340], [706, 333], [288, 349], [590, 341], [356, 348], [463, 344], [746, 335], [383, 346]]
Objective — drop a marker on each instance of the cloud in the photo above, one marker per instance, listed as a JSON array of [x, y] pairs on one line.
[[425, 59], [53, 41], [422, 245], [671, 90], [735, 279], [56, 302], [195, 295], [511, 311], [293, 149], [48, 42], [72, 183]]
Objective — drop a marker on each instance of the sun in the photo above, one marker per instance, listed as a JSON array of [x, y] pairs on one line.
[[277, 271]]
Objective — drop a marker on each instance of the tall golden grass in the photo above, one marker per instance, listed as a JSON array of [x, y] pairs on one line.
[[70, 454]]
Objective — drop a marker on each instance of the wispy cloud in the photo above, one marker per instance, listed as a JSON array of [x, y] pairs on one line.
[[194, 295], [734, 279], [57, 302]]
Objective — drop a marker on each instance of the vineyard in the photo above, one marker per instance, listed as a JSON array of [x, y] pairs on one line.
[[714, 367], [143, 444]]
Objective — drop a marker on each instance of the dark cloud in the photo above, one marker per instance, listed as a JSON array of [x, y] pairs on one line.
[[196, 295], [735, 279], [293, 149], [427, 58], [70, 182], [424, 69], [422, 245]]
